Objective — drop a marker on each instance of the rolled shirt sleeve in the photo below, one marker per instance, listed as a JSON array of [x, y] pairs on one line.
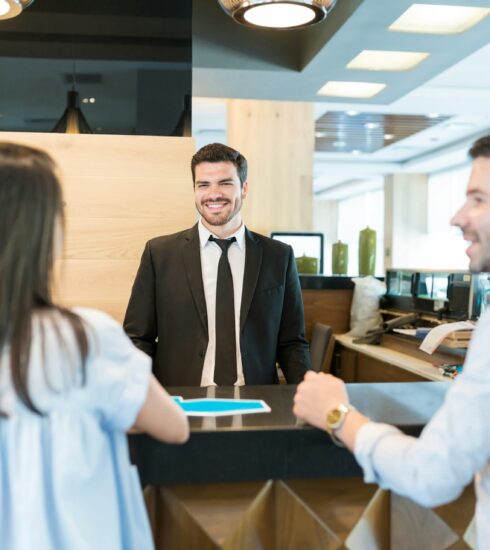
[[452, 448]]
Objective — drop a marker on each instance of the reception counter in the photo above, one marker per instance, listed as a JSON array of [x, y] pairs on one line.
[[269, 481], [275, 445]]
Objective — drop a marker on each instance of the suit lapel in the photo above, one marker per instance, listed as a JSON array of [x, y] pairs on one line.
[[253, 261], [192, 261]]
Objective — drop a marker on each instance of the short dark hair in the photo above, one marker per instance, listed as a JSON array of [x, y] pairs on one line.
[[217, 152], [481, 148]]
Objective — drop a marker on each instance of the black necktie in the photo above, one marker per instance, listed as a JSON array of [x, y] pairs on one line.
[[225, 373]]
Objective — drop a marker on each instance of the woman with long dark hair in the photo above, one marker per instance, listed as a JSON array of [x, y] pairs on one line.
[[71, 384]]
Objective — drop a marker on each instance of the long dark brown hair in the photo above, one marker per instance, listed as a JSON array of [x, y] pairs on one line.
[[31, 206]]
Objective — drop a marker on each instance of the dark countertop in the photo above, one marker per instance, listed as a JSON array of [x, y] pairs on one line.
[[326, 282], [276, 445]]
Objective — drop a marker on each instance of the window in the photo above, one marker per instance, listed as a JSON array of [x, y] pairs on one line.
[[354, 214]]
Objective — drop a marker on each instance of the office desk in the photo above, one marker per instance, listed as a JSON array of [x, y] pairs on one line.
[[268, 481], [396, 365]]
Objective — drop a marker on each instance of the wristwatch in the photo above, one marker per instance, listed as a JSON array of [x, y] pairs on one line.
[[335, 420]]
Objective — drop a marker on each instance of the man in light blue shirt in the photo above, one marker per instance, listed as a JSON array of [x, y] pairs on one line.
[[455, 446]]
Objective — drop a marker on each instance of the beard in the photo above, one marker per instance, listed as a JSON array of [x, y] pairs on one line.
[[220, 218]]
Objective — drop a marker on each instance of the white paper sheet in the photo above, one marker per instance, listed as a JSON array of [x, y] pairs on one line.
[[434, 338]]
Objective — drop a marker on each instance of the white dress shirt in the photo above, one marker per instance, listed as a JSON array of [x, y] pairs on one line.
[[210, 256], [453, 448]]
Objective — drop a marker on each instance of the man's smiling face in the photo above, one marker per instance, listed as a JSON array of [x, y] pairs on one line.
[[219, 195], [473, 218]]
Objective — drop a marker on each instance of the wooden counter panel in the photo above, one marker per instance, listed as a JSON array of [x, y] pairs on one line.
[[330, 307], [373, 370]]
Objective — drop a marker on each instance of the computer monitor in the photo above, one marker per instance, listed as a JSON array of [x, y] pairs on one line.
[[307, 244]]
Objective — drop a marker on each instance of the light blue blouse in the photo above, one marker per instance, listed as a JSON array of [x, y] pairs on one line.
[[65, 478]]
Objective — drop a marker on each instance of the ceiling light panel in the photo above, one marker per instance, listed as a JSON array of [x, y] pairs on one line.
[[438, 19], [358, 90], [337, 132], [380, 60]]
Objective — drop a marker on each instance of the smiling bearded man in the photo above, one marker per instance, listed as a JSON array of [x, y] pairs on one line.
[[218, 304], [474, 216]]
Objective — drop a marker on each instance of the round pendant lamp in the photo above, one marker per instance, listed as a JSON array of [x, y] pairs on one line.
[[12, 8], [277, 14]]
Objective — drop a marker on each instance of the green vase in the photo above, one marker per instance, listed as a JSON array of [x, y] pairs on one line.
[[367, 251], [307, 265], [340, 258]]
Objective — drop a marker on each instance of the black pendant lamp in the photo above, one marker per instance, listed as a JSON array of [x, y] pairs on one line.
[[184, 124], [72, 120], [12, 8]]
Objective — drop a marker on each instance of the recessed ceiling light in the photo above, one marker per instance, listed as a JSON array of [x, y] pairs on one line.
[[339, 144], [380, 60], [360, 90], [352, 113], [433, 115], [371, 125], [356, 152], [389, 136], [438, 19]]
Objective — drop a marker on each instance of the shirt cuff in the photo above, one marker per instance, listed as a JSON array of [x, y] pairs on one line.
[[367, 439]]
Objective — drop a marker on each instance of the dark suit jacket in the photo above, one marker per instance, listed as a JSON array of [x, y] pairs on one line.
[[166, 315]]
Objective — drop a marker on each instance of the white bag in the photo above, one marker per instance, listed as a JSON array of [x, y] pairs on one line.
[[364, 311]]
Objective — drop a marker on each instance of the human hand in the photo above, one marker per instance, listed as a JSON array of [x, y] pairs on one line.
[[318, 394]]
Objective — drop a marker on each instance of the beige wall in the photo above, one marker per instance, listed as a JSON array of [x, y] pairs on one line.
[[119, 192], [277, 138]]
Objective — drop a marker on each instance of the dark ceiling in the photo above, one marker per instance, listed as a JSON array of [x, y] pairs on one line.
[[133, 57]]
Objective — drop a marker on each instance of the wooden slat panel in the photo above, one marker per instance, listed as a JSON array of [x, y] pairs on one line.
[[115, 156], [110, 238], [102, 284], [119, 191], [166, 197]]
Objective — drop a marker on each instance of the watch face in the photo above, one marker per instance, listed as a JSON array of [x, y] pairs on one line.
[[334, 417]]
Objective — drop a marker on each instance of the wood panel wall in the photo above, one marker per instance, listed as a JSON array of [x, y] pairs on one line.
[[327, 306], [277, 138], [119, 192]]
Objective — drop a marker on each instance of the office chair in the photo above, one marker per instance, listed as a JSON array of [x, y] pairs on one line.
[[321, 347]]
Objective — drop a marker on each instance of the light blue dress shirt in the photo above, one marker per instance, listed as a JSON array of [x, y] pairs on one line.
[[66, 482], [453, 448]]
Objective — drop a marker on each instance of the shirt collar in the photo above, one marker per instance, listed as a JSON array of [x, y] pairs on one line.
[[204, 235]]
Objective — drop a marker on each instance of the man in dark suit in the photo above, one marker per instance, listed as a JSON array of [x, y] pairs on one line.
[[217, 303]]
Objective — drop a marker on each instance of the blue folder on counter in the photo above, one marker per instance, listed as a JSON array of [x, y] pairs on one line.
[[208, 406]]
